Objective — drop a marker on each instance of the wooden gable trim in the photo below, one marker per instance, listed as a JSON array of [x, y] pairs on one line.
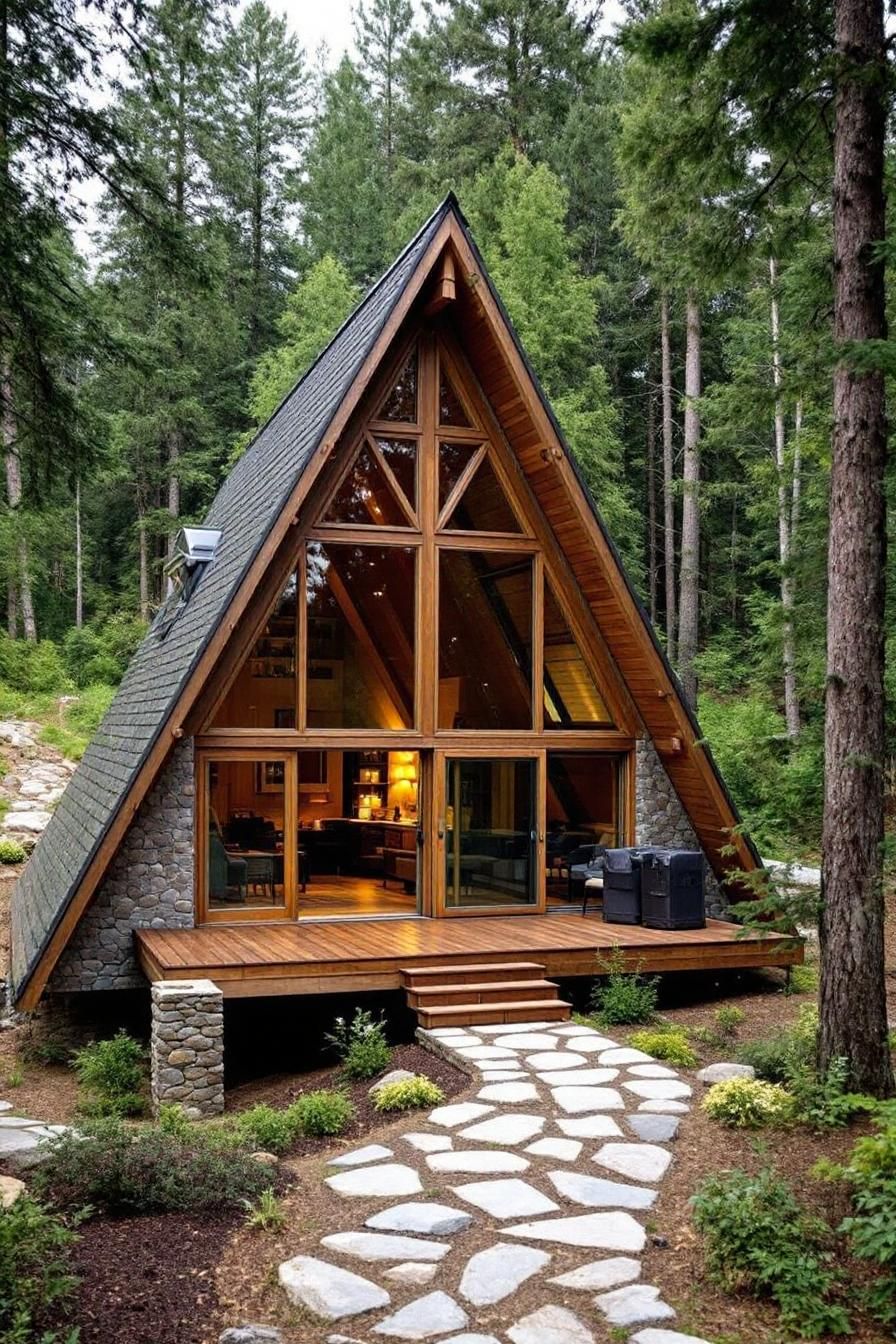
[[663, 712], [173, 727]]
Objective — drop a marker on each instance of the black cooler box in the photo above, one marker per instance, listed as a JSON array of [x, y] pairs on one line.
[[672, 889], [622, 885]]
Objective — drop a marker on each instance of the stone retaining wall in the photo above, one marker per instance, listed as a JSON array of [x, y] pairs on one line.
[[187, 1046], [149, 885], [660, 818]]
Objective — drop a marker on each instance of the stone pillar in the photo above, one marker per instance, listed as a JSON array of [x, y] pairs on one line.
[[187, 1046]]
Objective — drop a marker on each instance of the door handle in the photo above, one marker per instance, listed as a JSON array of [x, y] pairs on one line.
[[441, 829]]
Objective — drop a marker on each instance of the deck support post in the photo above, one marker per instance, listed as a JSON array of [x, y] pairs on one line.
[[187, 1046]]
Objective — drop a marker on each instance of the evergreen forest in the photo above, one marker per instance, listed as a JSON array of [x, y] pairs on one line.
[[191, 202]]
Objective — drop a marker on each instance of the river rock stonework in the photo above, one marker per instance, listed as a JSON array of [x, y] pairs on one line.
[[149, 885], [187, 1046], [660, 818]]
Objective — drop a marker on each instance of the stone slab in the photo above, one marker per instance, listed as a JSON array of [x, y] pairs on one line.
[[378, 1246], [484, 1160], [435, 1314], [460, 1113], [374, 1152], [431, 1220], [327, 1290], [495, 1273], [550, 1325], [720, 1073], [638, 1161], [624, 1054], [505, 1129], [502, 1075], [651, 1071], [604, 1231], [593, 1045], [429, 1143], [512, 1094], [561, 1150], [510, 1198], [480, 1052], [555, 1059], [651, 1336], [635, 1304], [578, 1077], [664, 1107], [590, 1127], [527, 1040], [658, 1089], [600, 1275], [596, 1193], [581, 1100], [654, 1128], [412, 1272], [383, 1182]]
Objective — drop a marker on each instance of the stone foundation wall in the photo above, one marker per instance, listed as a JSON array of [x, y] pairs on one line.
[[187, 1046], [660, 818], [149, 885]]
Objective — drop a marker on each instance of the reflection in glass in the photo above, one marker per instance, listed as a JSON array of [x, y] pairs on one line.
[[483, 507], [485, 640], [454, 459], [401, 403], [582, 810], [451, 411], [244, 864], [401, 458], [360, 655], [365, 496], [571, 699], [264, 693], [490, 833]]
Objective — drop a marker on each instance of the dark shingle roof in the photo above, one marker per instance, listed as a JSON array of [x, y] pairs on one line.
[[245, 508]]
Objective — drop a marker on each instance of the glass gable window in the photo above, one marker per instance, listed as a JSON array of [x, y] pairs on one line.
[[369, 493], [360, 649], [401, 401], [485, 640], [483, 506], [571, 698], [264, 693]]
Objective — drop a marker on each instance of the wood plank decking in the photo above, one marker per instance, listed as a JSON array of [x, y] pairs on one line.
[[332, 958]]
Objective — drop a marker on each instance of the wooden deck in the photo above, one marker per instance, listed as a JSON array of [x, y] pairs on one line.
[[334, 958]]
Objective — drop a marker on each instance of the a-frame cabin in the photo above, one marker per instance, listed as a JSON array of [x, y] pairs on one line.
[[404, 679]]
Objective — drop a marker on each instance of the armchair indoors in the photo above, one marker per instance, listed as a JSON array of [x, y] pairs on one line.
[[226, 875]]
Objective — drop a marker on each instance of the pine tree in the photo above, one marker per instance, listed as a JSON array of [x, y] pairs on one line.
[[382, 29]]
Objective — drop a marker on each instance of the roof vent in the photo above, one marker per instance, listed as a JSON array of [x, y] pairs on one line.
[[193, 548]]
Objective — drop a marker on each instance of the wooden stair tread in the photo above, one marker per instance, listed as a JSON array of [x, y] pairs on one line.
[[477, 968], [483, 1012], [475, 988]]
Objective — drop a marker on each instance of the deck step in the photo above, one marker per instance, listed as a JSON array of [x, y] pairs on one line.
[[475, 974], [489, 991], [483, 1014]]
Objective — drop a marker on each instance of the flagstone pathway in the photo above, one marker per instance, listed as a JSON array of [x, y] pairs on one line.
[[549, 1095]]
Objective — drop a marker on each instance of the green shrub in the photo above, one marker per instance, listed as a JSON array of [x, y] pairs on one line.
[[12, 852], [268, 1129], [671, 1045], [266, 1213], [122, 1170], [802, 980], [408, 1095], [361, 1044], [173, 1119], [774, 1059], [728, 1019], [622, 996], [757, 1238], [871, 1227], [823, 1102], [323, 1112], [748, 1103], [111, 1072], [35, 1275]]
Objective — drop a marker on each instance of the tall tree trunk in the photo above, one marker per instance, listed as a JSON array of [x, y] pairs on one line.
[[652, 562], [258, 198], [79, 560], [668, 480], [853, 999], [788, 638], [13, 466], [173, 486], [12, 610], [689, 601], [797, 487], [143, 562]]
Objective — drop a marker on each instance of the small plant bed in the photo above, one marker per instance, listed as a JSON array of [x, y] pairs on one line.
[[285, 1090]]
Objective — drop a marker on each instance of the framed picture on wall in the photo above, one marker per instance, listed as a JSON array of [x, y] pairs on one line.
[[270, 776]]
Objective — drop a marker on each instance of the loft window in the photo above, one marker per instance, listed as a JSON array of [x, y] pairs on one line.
[[194, 548]]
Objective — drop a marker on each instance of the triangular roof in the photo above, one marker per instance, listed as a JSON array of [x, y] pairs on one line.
[[253, 510]]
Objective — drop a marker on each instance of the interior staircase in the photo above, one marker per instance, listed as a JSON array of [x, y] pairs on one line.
[[475, 995]]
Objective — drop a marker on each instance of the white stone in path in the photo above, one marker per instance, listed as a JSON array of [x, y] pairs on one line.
[[504, 1028], [651, 1336], [527, 1040], [658, 1089], [446, 1032], [434, 1314], [488, 1161], [471, 1339], [379, 1246], [374, 1152], [550, 1325], [512, 1198], [509, 1129], [429, 1143], [555, 1059], [600, 1275], [590, 1127], [459, 1038], [580, 1100], [328, 1291], [595, 1193], [411, 1272], [654, 1128], [461, 1113], [576, 1029], [480, 1052], [578, 1077], [593, 1045], [17, 1141], [638, 1161], [651, 1071], [492, 1275], [377, 1182], [606, 1231], [5, 1105], [624, 1054], [720, 1073], [562, 1150], [634, 1305], [664, 1107], [432, 1220], [502, 1075], [509, 1093]]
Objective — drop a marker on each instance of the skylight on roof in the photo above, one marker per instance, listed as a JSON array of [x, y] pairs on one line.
[[194, 548]]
